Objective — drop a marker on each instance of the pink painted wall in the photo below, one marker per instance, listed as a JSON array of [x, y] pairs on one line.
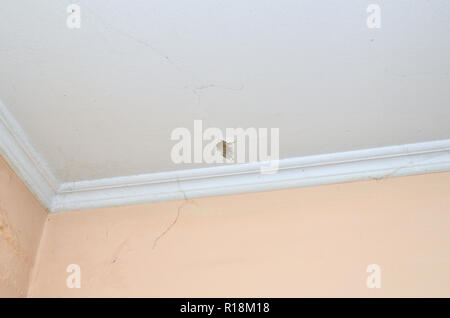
[[22, 219], [314, 241]]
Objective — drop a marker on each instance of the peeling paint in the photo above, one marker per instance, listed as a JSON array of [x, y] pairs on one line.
[[7, 233], [20, 229]]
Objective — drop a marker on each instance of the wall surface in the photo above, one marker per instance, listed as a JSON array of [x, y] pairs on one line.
[[22, 219], [314, 241]]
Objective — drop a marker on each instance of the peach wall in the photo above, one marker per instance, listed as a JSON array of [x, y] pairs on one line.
[[22, 219], [314, 241]]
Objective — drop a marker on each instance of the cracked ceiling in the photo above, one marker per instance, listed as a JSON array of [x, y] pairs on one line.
[[102, 100]]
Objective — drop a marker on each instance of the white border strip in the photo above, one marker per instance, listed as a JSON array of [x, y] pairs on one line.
[[348, 166], [24, 160], [234, 179]]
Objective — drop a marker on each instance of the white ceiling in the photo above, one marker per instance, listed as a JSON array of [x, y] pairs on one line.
[[101, 101]]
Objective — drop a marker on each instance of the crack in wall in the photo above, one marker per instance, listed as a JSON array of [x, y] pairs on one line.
[[135, 39], [406, 166], [179, 211], [155, 242], [193, 88], [120, 251]]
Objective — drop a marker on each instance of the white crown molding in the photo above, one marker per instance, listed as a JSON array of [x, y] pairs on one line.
[[375, 163], [24, 160], [356, 165]]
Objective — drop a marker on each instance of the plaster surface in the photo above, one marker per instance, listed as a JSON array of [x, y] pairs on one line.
[[101, 101], [22, 220], [306, 242]]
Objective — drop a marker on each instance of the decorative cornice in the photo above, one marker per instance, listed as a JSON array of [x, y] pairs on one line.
[[24, 160], [357, 165]]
